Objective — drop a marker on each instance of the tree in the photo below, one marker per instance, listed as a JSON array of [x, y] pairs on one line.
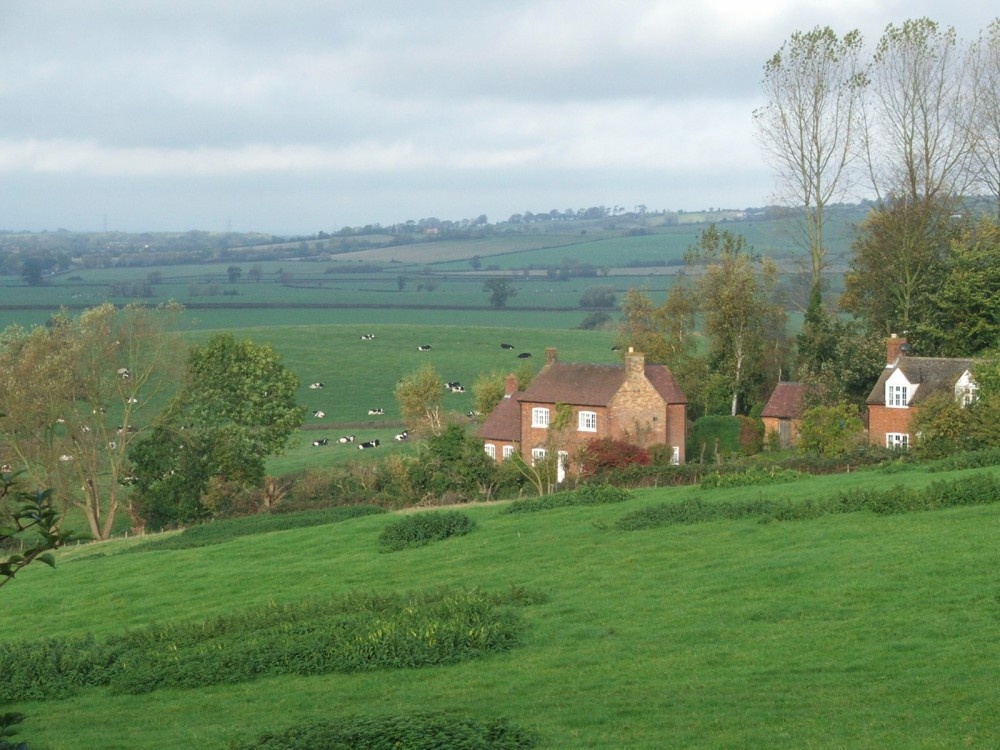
[[500, 291], [963, 318], [79, 392], [743, 319], [598, 296], [918, 136], [419, 396], [831, 430], [255, 273], [899, 258], [489, 388], [31, 271], [985, 75], [810, 126], [234, 273], [237, 407]]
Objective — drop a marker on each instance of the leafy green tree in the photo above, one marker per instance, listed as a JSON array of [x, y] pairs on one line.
[[899, 260], [598, 296], [963, 318], [237, 408], [743, 318], [105, 373], [256, 273], [31, 271], [420, 396], [831, 430], [234, 273], [489, 388], [500, 291]]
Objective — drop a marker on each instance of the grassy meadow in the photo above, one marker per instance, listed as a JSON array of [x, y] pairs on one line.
[[855, 630]]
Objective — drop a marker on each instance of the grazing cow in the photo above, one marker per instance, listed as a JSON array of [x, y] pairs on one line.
[[369, 444], [346, 439], [375, 412], [524, 355], [319, 414], [506, 346], [367, 336], [316, 386], [473, 414], [123, 373], [404, 435], [321, 441], [616, 348], [65, 457], [6, 468], [458, 389], [424, 348]]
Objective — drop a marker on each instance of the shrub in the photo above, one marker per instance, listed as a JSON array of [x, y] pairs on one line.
[[603, 454], [831, 430], [419, 529], [586, 494], [715, 437], [413, 731], [753, 476]]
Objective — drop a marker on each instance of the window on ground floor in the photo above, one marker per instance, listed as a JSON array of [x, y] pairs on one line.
[[491, 451], [508, 451], [897, 440], [537, 455]]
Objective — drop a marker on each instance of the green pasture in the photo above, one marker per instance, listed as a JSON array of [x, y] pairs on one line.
[[853, 631]]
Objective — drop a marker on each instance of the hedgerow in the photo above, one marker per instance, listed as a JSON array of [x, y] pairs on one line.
[[349, 634], [585, 494], [412, 731], [419, 529], [967, 460], [978, 489], [756, 475], [223, 530]]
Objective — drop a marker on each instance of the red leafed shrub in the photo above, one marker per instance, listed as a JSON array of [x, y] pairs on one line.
[[604, 454]]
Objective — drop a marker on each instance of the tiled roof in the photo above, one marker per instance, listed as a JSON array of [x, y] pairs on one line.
[[504, 422], [785, 402], [594, 385], [931, 373]]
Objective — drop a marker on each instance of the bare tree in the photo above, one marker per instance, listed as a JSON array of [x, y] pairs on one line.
[[810, 126], [918, 114], [985, 65]]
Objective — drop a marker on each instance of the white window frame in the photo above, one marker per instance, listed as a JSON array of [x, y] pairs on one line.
[[491, 450], [540, 417], [675, 455], [897, 440], [508, 451], [537, 454], [587, 421], [896, 396]]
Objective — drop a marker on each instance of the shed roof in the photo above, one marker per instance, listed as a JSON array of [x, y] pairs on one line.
[[786, 402]]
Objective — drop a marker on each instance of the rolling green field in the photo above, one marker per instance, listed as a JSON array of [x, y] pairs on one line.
[[854, 631]]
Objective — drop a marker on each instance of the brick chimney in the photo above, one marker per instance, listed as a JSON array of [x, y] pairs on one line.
[[895, 347], [635, 362], [551, 355], [510, 386]]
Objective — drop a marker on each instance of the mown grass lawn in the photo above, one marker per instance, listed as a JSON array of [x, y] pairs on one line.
[[857, 631]]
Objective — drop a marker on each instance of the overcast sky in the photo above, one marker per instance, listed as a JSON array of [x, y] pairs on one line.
[[307, 115]]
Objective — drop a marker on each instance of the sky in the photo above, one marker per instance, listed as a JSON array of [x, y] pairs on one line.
[[299, 116]]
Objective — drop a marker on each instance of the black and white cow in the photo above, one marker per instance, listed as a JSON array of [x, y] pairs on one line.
[[319, 414], [369, 444], [506, 346], [375, 412], [424, 348], [316, 386], [346, 439], [367, 336], [321, 441], [404, 435], [524, 355]]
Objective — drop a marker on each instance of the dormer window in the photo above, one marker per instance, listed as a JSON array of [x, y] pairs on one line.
[[896, 395]]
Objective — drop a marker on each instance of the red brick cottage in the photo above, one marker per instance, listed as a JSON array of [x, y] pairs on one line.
[[635, 402], [904, 383]]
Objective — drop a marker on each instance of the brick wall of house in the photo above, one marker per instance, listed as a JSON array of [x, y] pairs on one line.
[[677, 428], [884, 419], [570, 439], [638, 414]]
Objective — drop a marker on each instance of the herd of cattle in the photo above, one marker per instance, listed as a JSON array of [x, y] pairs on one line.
[[454, 386]]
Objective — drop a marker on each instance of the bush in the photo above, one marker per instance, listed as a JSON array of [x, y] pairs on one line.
[[753, 476], [587, 494], [419, 529], [603, 454], [412, 731], [715, 437]]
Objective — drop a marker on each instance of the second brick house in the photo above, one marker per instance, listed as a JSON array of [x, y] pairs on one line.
[[907, 381], [635, 402]]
